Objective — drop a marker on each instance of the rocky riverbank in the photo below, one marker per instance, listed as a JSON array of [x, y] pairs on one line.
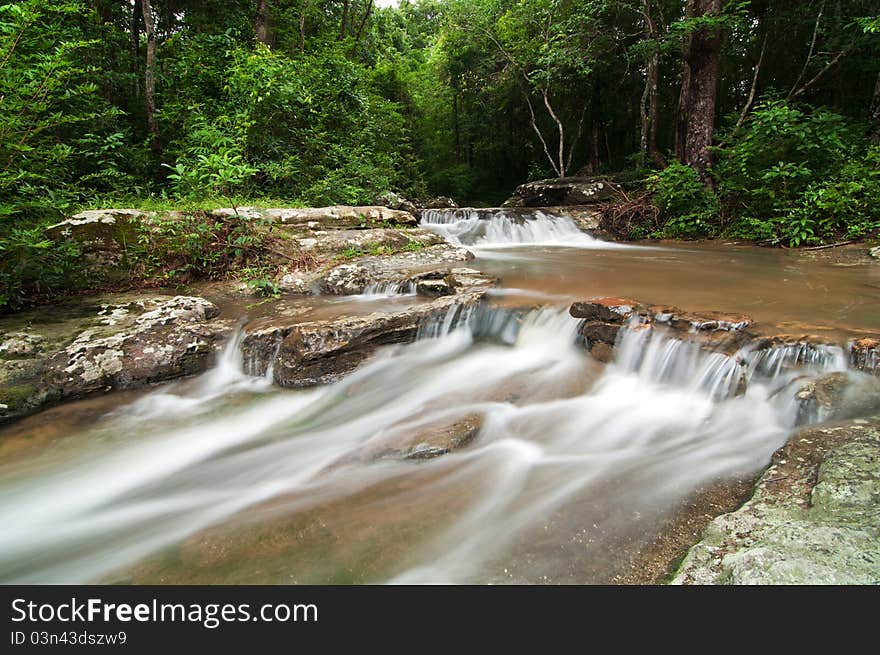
[[813, 516]]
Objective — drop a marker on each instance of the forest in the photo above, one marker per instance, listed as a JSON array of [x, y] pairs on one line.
[[755, 120]]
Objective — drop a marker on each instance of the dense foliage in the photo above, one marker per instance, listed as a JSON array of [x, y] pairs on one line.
[[139, 102]]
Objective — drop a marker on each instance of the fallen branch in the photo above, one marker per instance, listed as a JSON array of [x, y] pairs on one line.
[[831, 245]]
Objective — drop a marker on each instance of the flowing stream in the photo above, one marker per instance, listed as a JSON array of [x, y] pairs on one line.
[[226, 478]]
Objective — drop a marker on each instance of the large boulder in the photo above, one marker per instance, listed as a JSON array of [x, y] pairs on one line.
[[337, 217], [354, 277], [603, 318], [103, 235], [838, 396], [303, 354], [562, 191], [114, 342], [393, 201], [814, 517]]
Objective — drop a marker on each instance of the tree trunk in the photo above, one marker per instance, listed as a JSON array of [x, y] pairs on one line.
[[681, 116], [261, 22], [650, 104], [150, 76], [595, 136], [874, 115], [456, 127], [363, 23], [703, 59], [135, 36], [343, 23]]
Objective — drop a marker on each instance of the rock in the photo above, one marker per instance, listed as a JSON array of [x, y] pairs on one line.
[[865, 355], [400, 268], [441, 202], [121, 342], [434, 288], [561, 191], [610, 310], [393, 201], [419, 440], [814, 517], [838, 396], [20, 344], [603, 318], [597, 332], [337, 217], [101, 234], [320, 352], [875, 252]]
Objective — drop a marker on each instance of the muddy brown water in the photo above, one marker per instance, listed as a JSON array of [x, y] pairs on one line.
[[577, 472]]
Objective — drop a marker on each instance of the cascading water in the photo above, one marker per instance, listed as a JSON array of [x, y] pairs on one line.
[[499, 227], [383, 290], [565, 448]]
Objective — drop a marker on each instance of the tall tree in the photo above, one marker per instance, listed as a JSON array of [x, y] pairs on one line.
[[699, 87], [649, 108], [261, 22], [150, 75]]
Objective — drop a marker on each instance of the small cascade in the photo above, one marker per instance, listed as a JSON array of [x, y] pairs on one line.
[[773, 373], [501, 227], [380, 290], [660, 359], [504, 325], [813, 357]]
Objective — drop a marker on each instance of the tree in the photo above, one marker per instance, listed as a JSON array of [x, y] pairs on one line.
[[699, 86], [150, 76]]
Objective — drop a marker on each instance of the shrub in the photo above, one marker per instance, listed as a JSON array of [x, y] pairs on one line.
[[688, 210]]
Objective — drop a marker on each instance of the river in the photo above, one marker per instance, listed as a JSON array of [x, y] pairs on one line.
[[577, 467]]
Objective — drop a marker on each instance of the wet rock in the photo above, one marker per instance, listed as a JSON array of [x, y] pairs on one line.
[[602, 352], [874, 252], [865, 355], [594, 332], [562, 191], [609, 310], [814, 517], [400, 268], [705, 321], [425, 440], [434, 288], [838, 396], [603, 318], [320, 352], [121, 342], [441, 202]]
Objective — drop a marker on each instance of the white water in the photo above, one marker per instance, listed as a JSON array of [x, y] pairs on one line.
[[495, 228], [385, 290], [663, 416], [572, 461]]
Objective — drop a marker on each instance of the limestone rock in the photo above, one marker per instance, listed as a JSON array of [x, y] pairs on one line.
[[394, 201], [562, 191], [336, 217], [814, 518], [319, 352], [101, 234], [441, 202], [121, 341]]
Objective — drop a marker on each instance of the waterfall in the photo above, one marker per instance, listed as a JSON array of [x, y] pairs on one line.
[[379, 290], [500, 227], [561, 443]]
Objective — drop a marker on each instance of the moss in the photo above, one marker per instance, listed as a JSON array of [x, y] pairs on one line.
[[17, 396]]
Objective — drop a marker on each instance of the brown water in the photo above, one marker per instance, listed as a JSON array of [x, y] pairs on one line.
[[226, 479], [834, 293]]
